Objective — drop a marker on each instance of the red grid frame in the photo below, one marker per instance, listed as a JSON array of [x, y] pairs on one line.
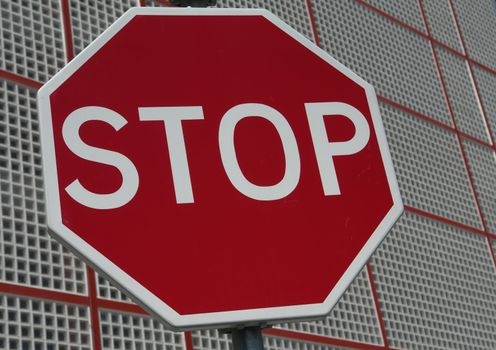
[[94, 303]]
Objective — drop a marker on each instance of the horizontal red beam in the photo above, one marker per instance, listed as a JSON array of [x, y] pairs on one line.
[[20, 79], [33, 292]]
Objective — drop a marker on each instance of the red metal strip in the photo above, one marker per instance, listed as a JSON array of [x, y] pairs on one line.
[[142, 3], [480, 65], [188, 341], [95, 318], [375, 296], [282, 333], [444, 220], [20, 79], [392, 18], [66, 18], [34, 292], [472, 75], [415, 113], [453, 119], [313, 24], [120, 306]]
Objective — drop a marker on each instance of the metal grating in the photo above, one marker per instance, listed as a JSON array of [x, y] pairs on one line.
[[407, 11], [39, 324], [89, 18], [398, 62], [135, 332], [436, 286], [293, 12], [353, 318], [486, 82], [27, 254], [275, 343], [429, 167], [441, 23], [462, 95], [106, 290], [482, 162], [478, 25], [31, 39], [211, 340]]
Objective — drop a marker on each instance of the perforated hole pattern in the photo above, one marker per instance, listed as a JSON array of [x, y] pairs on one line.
[[478, 25], [293, 12], [442, 23], [482, 161], [429, 167], [462, 95], [89, 18], [486, 83], [38, 324], [212, 340], [436, 286], [27, 254], [407, 11], [398, 62], [353, 318], [136, 332], [31, 38], [107, 290]]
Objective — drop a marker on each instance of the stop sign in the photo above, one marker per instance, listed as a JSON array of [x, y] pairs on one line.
[[217, 166]]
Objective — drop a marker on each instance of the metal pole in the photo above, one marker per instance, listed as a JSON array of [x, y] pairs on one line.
[[249, 338]]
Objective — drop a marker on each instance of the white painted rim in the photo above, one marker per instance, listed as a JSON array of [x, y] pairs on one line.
[[139, 293]]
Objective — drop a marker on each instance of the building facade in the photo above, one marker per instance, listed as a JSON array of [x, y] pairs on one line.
[[432, 282]]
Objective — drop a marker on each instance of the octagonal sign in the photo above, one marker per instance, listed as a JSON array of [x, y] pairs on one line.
[[217, 166]]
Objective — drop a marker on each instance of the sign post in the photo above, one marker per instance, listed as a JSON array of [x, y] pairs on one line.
[[216, 144]]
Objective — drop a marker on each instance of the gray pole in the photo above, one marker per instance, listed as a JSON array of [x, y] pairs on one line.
[[249, 338]]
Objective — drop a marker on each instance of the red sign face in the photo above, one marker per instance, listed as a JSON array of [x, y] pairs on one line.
[[217, 166]]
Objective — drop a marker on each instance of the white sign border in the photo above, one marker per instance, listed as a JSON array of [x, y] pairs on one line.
[[139, 293]]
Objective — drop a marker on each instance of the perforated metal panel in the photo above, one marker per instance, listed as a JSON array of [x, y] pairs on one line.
[[38, 324], [478, 25], [436, 286], [398, 62], [441, 23], [486, 83], [293, 12], [106, 290], [31, 38], [211, 340], [89, 18], [353, 318], [482, 161], [429, 167], [462, 95], [27, 254], [274, 343], [407, 11], [136, 332]]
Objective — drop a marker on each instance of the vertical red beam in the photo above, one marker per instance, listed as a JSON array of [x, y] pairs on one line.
[[375, 296], [472, 75], [483, 110], [188, 340], [462, 148], [66, 19], [312, 22], [95, 319]]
